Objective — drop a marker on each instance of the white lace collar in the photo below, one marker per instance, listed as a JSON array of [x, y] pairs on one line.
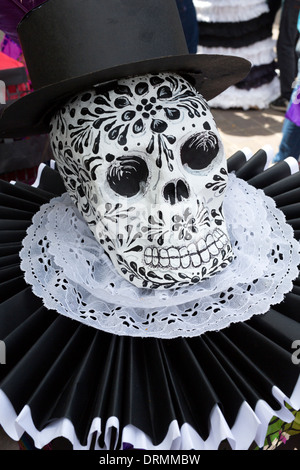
[[69, 270]]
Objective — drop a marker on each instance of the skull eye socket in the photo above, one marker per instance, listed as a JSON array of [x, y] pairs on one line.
[[199, 150], [128, 175]]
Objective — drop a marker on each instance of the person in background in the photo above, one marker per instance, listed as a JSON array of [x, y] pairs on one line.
[[189, 22], [286, 57], [290, 141]]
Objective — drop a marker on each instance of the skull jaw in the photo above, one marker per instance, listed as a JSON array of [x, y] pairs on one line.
[[174, 267], [151, 277]]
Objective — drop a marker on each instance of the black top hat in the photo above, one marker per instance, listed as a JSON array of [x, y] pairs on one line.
[[71, 45]]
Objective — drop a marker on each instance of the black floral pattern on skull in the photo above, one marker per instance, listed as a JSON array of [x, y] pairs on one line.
[[143, 162]]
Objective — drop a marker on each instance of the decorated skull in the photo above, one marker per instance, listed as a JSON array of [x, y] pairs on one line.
[[143, 162]]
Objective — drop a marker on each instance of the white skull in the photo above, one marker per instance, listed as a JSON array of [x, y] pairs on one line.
[[144, 163]]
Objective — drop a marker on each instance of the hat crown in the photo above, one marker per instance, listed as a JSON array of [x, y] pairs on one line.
[[72, 45], [63, 39]]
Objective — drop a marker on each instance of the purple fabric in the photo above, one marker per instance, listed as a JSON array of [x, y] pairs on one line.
[[11, 13], [11, 48], [293, 112]]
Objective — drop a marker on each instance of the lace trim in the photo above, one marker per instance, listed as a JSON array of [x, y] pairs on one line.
[[69, 270]]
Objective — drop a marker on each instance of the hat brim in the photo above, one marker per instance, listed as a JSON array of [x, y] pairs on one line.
[[31, 114]]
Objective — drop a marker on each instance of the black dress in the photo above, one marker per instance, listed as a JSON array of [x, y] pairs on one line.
[[245, 38]]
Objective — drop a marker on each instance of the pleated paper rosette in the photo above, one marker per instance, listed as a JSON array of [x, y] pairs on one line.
[[65, 379]]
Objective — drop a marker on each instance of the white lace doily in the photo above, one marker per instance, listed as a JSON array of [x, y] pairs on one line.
[[69, 270]]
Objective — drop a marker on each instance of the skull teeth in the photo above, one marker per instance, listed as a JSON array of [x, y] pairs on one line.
[[193, 255]]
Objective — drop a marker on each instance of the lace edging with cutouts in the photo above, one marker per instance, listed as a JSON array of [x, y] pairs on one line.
[[69, 270]]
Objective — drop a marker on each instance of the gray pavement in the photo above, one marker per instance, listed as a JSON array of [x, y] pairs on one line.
[[252, 128]]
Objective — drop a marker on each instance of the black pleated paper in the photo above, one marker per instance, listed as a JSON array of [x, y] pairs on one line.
[[62, 368]]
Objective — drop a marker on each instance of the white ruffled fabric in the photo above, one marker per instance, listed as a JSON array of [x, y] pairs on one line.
[[259, 53], [69, 270], [233, 11], [255, 98]]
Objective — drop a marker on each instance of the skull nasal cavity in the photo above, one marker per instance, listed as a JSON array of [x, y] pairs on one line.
[[176, 191]]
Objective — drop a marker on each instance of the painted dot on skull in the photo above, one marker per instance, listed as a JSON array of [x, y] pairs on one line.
[[122, 102], [155, 80], [86, 97], [142, 89], [128, 115], [109, 157], [164, 92]]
